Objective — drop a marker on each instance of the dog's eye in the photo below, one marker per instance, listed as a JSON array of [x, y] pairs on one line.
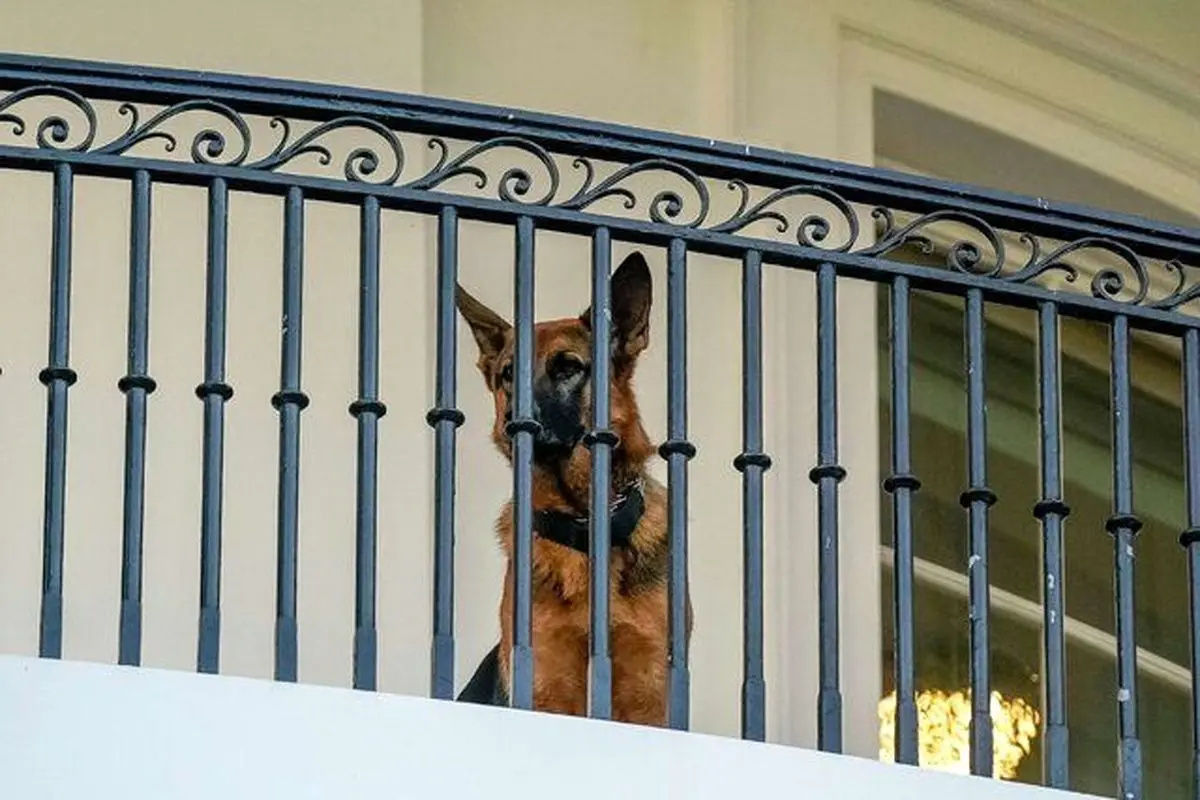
[[564, 366], [506, 374]]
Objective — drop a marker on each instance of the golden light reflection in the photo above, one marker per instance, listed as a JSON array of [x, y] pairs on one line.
[[943, 731]]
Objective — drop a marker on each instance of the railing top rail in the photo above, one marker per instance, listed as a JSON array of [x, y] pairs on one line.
[[592, 139]]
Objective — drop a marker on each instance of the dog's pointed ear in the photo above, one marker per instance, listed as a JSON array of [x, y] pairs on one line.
[[631, 294], [488, 327]]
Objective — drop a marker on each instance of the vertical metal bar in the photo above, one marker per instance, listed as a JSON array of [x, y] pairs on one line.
[[289, 401], [367, 411], [136, 385], [1052, 512], [445, 419], [977, 499], [214, 392], [600, 441], [677, 451], [752, 463], [522, 429], [1124, 525], [901, 485], [827, 475], [1190, 538], [57, 377]]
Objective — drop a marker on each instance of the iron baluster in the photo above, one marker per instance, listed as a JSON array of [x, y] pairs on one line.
[[601, 440], [901, 485], [289, 401], [445, 420], [57, 377], [977, 499], [1052, 512], [368, 409], [523, 428], [136, 385], [1190, 537], [1124, 525], [214, 392], [753, 463], [827, 475], [677, 450]]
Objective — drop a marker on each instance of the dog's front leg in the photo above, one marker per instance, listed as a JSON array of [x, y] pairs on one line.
[[560, 653], [640, 674]]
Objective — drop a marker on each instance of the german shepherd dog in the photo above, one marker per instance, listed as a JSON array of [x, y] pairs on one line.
[[561, 488]]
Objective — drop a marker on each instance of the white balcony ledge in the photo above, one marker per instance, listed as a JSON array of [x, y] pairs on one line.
[[75, 730]]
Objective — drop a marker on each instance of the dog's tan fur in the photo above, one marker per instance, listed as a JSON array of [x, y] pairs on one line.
[[638, 588]]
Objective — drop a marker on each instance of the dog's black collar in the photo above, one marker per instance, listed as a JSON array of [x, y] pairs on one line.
[[574, 532]]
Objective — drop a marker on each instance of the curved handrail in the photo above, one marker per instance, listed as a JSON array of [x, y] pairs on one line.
[[576, 136], [1151, 260]]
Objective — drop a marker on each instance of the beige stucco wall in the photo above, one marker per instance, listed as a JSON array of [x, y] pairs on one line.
[[792, 75]]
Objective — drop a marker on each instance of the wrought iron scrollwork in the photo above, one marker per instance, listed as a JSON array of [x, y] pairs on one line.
[[361, 162], [1036, 266], [52, 131], [665, 207], [811, 230], [1107, 283], [513, 185], [963, 255], [208, 144], [1182, 293], [522, 170], [1129, 283]]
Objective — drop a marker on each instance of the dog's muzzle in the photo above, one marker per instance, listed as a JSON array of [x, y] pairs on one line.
[[560, 432]]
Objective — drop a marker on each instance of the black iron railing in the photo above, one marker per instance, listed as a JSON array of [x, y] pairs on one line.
[[542, 173]]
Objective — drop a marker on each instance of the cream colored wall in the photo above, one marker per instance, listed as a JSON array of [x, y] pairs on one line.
[[785, 74]]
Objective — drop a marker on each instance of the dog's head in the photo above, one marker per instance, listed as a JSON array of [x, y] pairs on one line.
[[562, 368]]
